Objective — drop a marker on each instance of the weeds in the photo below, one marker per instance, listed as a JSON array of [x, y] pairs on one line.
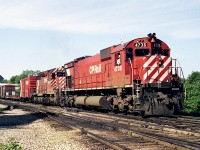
[[10, 145]]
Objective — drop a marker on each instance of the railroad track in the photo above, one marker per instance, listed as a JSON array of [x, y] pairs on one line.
[[104, 134], [54, 117], [179, 123], [174, 125], [93, 136], [176, 137], [129, 129], [147, 135], [121, 138], [184, 124], [141, 124], [190, 118], [189, 125]]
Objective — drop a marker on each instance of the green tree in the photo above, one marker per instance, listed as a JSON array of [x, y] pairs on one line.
[[1, 79], [16, 79], [5, 81], [192, 84], [194, 77]]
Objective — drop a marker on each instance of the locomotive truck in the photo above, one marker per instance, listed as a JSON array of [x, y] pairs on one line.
[[137, 77]]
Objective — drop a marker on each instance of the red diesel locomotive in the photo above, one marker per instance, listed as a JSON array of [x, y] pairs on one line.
[[138, 76]]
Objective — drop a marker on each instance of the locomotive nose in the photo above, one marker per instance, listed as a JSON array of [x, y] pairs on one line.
[[159, 61]]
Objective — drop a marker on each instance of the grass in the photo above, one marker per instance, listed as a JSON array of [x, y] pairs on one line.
[[190, 112], [10, 145]]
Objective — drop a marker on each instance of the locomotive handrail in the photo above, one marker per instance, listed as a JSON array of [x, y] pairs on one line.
[[178, 69], [181, 69], [132, 69]]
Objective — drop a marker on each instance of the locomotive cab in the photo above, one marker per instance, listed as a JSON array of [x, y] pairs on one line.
[[156, 89]]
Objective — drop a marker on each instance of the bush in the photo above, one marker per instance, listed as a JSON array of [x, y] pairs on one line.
[[192, 101], [10, 145]]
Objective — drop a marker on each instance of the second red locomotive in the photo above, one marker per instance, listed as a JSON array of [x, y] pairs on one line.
[[137, 76]]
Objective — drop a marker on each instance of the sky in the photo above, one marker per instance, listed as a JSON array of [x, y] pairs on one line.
[[43, 34]]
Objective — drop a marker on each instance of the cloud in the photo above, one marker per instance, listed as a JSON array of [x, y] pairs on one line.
[[96, 17], [25, 15], [108, 20]]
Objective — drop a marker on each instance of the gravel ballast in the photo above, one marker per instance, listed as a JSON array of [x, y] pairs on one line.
[[34, 131]]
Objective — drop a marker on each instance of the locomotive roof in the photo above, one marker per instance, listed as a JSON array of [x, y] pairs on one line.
[[77, 59], [118, 47], [5, 84]]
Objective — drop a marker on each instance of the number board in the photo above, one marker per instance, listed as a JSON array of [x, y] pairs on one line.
[[140, 43]]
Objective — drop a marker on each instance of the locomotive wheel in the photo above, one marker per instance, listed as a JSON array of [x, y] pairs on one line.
[[69, 104], [116, 109], [135, 113], [126, 110], [142, 114], [176, 109]]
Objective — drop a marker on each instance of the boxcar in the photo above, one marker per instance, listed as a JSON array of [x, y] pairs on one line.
[[7, 91], [28, 88]]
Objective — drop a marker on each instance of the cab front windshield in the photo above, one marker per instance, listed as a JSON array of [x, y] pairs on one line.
[[154, 51], [159, 51]]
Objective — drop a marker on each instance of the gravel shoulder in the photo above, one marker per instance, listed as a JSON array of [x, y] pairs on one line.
[[33, 131]]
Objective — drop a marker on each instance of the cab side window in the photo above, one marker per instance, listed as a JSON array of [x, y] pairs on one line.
[[53, 75], [156, 51], [159, 51], [129, 53], [117, 59]]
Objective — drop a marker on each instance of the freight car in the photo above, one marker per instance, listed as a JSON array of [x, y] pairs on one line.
[[138, 77], [8, 91], [28, 88]]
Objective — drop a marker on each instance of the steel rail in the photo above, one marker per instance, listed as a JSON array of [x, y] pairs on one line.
[[168, 141]]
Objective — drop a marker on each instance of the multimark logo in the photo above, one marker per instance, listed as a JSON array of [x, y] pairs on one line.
[[95, 69]]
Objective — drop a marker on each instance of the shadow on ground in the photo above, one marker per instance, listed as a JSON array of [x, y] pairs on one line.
[[8, 121]]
